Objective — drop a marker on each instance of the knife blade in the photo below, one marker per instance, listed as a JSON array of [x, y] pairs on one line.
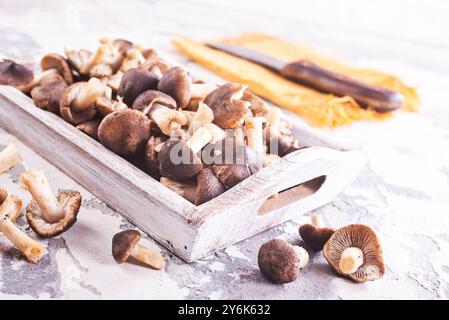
[[308, 73]]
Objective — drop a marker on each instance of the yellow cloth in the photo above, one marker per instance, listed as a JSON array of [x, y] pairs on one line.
[[317, 108]]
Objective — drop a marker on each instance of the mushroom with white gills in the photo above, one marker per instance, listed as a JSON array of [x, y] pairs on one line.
[[202, 116], [77, 104], [90, 127], [178, 159], [48, 93], [126, 244], [316, 234], [125, 132], [160, 108], [14, 74], [177, 83], [134, 82], [355, 252], [49, 215], [280, 261], [9, 157], [32, 249], [51, 64], [225, 101]]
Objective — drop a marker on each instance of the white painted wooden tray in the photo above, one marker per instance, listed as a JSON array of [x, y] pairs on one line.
[[305, 180]]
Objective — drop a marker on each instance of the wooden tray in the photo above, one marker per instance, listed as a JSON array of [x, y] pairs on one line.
[[305, 180]]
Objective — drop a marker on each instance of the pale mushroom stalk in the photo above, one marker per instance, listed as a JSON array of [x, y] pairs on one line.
[[317, 221], [133, 59], [38, 78], [199, 139], [303, 256], [147, 256], [254, 134], [184, 189], [203, 115], [37, 185], [32, 249], [88, 94], [351, 260], [190, 116], [216, 132], [168, 120], [273, 116], [9, 158]]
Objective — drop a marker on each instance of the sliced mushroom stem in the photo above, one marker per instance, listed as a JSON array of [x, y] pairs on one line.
[[254, 134], [199, 139], [203, 115], [303, 256], [216, 132], [149, 257], [351, 260], [317, 221], [9, 158], [37, 79], [184, 189], [273, 116], [37, 185], [32, 249], [190, 116], [89, 93], [168, 120]]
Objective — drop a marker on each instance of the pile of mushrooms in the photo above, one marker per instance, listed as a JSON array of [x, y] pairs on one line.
[[196, 138], [353, 251], [48, 215]]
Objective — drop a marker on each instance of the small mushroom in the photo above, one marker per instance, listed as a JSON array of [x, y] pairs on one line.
[[32, 249], [48, 93], [280, 262], [254, 134], [79, 59], [77, 104], [156, 65], [160, 107], [123, 45], [113, 81], [14, 74], [178, 159], [9, 157], [106, 105], [134, 59], [355, 252], [125, 132], [90, 128], [279, 143], [177, 83], [134, 82], [126, 244], [47, 214], [106, 59], [315, 235], [225, 101]]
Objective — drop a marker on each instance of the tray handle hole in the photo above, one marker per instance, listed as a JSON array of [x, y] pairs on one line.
[[292, 194]]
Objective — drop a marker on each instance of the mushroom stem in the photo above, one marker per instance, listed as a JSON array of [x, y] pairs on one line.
[[303, 256], [184, 189], [351, 259], [273, 116], [133, 59], [199, 139], [149, 257], [168, 120], [9, 158], [88, 94], [254, 133], [216, 132], [317, 221], [38, 78], [32, 249], [36, 183], [203, 115]]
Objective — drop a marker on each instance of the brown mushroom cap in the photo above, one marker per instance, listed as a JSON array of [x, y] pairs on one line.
[[176, 82], [315, 237], [156, 65], [364, 238], [208, 186], [134, 82], [278, 261], [229, 109], [150, 156], [79, 59], [90, 128], [48, 93], [14, 74], [123, 45], [146, 99], [58, 62], [69, 200], [3, 195], [123, 243], [65, 106], [189, 163], [125, 132]]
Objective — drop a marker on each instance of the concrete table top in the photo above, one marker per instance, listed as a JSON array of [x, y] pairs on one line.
[[403, 194]]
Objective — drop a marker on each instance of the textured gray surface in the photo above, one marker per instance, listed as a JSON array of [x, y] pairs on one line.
[[403, 194]]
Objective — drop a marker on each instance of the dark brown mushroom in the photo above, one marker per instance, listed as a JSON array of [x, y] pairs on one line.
[[315, 235], [229, 109], [123, 45], [47, 214], [355, 252], [14, 74], [77, 104], [134, 82], [9, 157], [279, 143], [90, 128], [125, 132], [125, 244], [48, 93], [150, 155], [280, 262], [54, 61]]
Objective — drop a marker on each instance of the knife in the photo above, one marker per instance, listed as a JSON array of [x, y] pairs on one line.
[[307, 73]]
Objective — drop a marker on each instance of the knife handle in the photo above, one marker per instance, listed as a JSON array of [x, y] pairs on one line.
[[308, 73]]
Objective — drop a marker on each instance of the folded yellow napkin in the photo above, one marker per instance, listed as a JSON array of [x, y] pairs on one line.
[[320, 109]]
